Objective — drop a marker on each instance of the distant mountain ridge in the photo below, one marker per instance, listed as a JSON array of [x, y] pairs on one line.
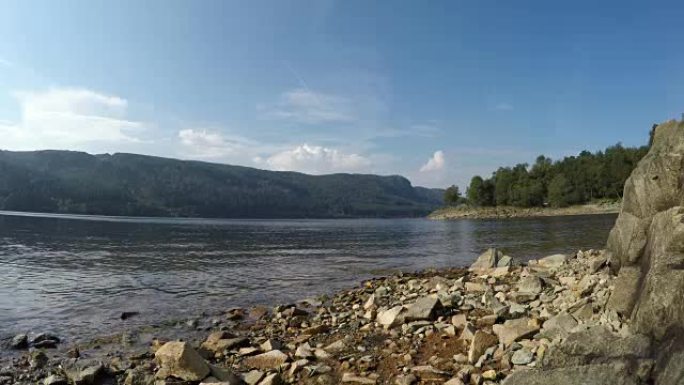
[[139, 185]]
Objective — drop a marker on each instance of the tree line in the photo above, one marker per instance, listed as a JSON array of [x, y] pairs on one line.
[[572, 180]]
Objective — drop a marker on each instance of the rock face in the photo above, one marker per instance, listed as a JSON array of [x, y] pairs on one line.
[[647, 245], [646, 250]]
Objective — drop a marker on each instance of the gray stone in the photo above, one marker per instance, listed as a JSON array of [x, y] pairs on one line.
[[514, 330], [522, 357], [559, 326], [530, 284], [391, 317], [253, 377], [486, 261], [625, 293], [20, 341], [422, 309], [602, 374]]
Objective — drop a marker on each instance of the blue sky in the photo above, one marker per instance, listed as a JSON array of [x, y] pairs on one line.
[[436, 91]]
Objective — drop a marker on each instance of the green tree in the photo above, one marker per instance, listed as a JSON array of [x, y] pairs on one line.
[[475, 191], [559, 191], [452, 196]]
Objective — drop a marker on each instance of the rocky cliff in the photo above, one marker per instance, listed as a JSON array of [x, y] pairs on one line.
[[646, 251], [646, 248]]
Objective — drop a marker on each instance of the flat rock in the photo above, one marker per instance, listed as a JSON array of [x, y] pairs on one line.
[[391, 317], [180, 360], [522, 357], [530, 284], [219, 342], [554, 260], [559, 325], [423, 308], [268, 360], [603, 374], [354, 379], [514, 330]]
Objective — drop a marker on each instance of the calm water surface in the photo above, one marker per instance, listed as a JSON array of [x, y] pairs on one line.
[[75, 276]]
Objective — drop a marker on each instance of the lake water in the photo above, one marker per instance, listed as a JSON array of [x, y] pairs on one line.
[[75, 275]]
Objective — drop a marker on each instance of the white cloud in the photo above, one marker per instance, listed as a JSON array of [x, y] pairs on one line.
[[302, 105], [315, 160], [68, 118], [208, 144], [504, 107], [5, 63], [435, 163]]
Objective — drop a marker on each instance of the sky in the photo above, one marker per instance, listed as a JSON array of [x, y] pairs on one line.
[[436, 91]]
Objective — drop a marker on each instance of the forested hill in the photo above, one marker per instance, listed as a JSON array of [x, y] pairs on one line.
[[571, 180], [137, 185]]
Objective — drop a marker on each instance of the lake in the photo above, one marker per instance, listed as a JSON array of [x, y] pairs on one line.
[[74, 275]]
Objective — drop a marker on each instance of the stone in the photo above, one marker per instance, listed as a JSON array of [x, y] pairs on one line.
[[582, 347], [55, 379], [599, 374], [486, 261], [489, 375], [20, 341], [271, 344], [354, 379], [552, 261], [253, 377], [336, 347], [455, 381], [224, 375], [138, 377], [559, 325], [429, 373], [480, 342], [269, 360], [459, 320], [468, 332], [514, 330], [422, 309], [304, 351], [405, 379], [626, 288], [475, 287], [272, 379], [391, 317], [180, 360], [522, 357], [530, 284], [83, 373], [45, 341], [504, 261], [370, 302], [219, 342]]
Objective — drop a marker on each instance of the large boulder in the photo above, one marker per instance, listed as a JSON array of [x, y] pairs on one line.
[[489, 261], [180, 360]]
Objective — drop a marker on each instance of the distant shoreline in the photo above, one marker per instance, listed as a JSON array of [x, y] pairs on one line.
[[501, 212]]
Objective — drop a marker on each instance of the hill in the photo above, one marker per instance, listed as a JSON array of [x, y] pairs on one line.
[[139, 185]]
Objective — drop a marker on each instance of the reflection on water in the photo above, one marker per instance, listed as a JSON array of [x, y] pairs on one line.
[[74, 277]]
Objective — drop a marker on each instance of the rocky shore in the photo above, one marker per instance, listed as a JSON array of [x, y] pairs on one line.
[[455, 326], [503, 212]]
